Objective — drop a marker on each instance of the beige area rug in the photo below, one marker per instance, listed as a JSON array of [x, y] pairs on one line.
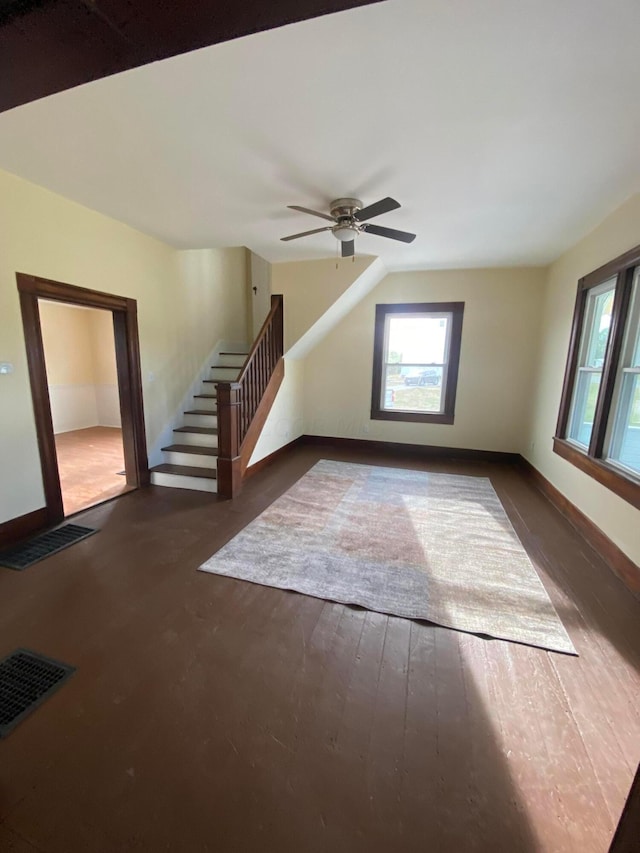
[[408, 543]]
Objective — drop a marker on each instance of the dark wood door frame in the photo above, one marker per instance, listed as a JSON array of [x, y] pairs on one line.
[[125, 327]]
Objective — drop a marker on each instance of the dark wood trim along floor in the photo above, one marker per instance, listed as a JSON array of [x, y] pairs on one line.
[[272, 457], [23, 526], [409, 451], [208, 713], [625, 568]]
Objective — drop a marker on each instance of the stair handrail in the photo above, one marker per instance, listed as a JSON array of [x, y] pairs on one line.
[[275, 310], [238, 401]]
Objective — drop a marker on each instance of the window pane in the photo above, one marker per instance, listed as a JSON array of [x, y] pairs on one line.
[[624, 443], [413, 390], [417, 338], [584, 406], [593, 347], [600, 307], [415, 361]]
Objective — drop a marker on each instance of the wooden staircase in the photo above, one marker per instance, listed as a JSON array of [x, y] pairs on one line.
[[192, 461], [213, 447]]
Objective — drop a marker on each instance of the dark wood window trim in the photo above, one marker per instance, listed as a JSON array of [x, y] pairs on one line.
[[125, 325], [591, 461], [456, 309]]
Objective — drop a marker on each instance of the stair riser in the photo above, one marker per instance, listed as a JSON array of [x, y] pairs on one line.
[[179, 481], [228, 374], [195, 439], [231, 361], [201, 420], [200, 403], [174, 457]]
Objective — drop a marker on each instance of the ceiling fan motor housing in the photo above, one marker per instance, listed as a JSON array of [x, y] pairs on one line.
[[345, 207], [343, 210]]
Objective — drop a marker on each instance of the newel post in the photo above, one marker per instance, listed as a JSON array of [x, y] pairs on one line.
[[229, 474]]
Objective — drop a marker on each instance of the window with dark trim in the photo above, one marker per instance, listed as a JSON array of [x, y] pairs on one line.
[[599, 421], [416, 353]]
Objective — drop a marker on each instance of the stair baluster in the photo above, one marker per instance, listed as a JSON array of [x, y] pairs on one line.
[[245, 403]]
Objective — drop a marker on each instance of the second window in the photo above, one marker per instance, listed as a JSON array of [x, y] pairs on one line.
[[415, 365]]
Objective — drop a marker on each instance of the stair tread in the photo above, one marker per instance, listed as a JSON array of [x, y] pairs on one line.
[[234, 353], [192, 448], [198, 430], [185, 470], [206, 397], [209, 412]]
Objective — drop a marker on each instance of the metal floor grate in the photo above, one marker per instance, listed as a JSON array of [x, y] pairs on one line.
[[27, 553], [26, 680]]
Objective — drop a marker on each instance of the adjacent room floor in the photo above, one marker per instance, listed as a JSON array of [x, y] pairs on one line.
[[211, 714], [89, 462]]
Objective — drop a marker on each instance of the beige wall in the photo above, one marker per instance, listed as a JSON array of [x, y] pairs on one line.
[[103, 347], [311, 288], [181, 312], [499, 337], [285, 422], [259, 295], [81, 366], [317, 294], [79, 344], [67, 339], [618, 519]]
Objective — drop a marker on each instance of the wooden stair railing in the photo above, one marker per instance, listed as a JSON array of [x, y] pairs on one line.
[[243, 405]]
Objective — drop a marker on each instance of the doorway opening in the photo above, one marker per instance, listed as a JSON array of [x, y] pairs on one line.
[[82, 380], [84, 369]]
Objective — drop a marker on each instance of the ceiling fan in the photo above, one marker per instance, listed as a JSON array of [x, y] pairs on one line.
[[348, 217]]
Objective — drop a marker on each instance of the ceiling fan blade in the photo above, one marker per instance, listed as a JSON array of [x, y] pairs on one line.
[[306, 233], [348, 248], [404, 236], [382, 206], [312, 212]]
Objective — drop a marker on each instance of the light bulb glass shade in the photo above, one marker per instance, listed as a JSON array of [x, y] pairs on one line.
[[345, 233]]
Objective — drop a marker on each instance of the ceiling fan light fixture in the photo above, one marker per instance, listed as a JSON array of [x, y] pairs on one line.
[[345, 233]]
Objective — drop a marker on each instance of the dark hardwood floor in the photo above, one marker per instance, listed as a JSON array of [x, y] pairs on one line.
[[209, 714]]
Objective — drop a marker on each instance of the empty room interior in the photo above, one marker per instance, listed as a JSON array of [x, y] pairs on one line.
[[82, 384], [320, 427]]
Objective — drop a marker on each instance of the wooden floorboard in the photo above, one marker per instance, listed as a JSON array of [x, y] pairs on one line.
[[210, 714], [89, 462]]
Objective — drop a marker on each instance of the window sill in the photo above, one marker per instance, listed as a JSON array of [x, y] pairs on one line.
[[626, 487], [412, 417]]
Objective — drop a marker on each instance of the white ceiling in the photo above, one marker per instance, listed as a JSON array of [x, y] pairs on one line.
[[507, 130]]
